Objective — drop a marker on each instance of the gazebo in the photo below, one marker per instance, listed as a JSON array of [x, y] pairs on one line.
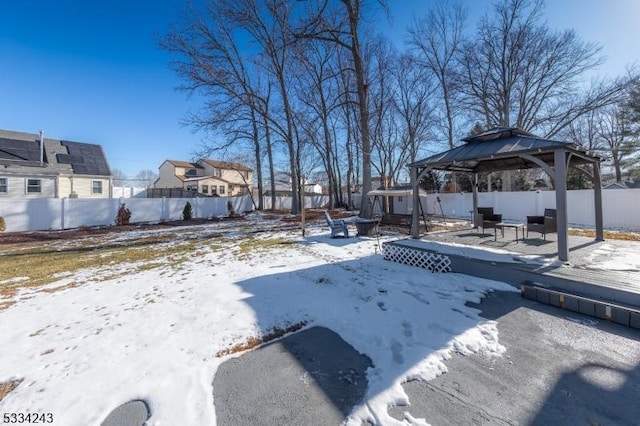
[[511, 148]]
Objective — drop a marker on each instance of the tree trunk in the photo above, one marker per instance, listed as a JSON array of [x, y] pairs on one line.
[[353, 9]]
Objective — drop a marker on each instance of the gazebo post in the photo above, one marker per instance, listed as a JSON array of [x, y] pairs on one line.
[[597, 197], [415, 218], [560, 181], [474, 184]]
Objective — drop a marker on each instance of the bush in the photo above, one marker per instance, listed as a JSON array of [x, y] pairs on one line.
[[124, 215], [3, 225], [186, 212]]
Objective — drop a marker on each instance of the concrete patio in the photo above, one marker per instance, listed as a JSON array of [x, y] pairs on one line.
[[599, 269]]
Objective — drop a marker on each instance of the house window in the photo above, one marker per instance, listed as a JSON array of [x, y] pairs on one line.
[[217, 172], [34, 185], [3, 185], [221, 189], [191, 173], [205, 189], [192, 188], [214, 189], [96, 187], [231, 189]]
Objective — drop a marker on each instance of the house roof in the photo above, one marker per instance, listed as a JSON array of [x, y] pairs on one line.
[[22, 151], [227, 165], [615, 185], [500, 149], [185, 164]]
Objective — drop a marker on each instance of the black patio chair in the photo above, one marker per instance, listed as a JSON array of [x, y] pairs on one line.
[[486, 219], [545, 224]]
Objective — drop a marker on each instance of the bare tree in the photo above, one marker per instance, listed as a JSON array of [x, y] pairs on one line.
[[119, 177], [146, 178], [318, 90], [620, 143], [343, 28], [208, 58], [413, 101], [437, 40], [519, 72]]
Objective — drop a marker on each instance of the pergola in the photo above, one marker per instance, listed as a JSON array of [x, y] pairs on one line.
[[511, 148]]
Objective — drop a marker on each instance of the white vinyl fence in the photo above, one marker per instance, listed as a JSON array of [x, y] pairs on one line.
[[310, 202], [621, 207], [65, 213]]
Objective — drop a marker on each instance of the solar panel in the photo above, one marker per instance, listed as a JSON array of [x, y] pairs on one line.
[[11, 149], [87, 159], [70, 159]]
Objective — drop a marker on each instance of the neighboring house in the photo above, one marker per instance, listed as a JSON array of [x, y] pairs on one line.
[[615, 185], [34, 166], [208, 177], [282, 182]]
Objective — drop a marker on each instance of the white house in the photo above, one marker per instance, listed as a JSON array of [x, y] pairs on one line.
[[33, 166], [207, 177], [283, 181]]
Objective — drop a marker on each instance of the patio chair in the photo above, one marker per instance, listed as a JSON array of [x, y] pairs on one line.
[[545, 224], [337, 226], [485, 218]]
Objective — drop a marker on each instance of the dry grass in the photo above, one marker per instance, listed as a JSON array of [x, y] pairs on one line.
[[43, 264], [256, 341], [7, 387], [608, 235]]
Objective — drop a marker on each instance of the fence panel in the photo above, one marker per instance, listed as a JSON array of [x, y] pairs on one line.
[[621, 208], [29, 214], [77, 212]]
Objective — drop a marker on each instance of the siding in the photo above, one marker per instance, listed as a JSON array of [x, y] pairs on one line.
[[17, 187], [167, 176], [64, 186], [84, 187]]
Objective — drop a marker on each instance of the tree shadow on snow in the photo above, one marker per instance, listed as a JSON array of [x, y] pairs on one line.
[[316, 377]]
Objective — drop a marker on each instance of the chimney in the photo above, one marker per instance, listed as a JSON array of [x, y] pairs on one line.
[[41, 147]]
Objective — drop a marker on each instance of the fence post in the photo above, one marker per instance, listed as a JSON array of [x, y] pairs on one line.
[[62, 213]]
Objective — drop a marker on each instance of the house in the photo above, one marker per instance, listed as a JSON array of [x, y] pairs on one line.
[[207, 177], [282, 181], [615, 185], [33, 166]]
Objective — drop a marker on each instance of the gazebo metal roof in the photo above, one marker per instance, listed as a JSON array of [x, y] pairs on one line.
[[499, 149], [511, 148]]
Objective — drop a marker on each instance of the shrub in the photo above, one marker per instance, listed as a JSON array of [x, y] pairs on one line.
[[186, 212], [124, 215], [3, 225]]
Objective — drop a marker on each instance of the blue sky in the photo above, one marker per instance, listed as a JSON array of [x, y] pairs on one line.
[[91, 71]]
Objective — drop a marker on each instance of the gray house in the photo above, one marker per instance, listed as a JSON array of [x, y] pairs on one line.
[[32, 166]]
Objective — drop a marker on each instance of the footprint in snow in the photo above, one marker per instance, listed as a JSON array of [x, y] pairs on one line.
[[396, 351]]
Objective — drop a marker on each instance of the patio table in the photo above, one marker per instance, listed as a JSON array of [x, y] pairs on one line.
[[503, 225]]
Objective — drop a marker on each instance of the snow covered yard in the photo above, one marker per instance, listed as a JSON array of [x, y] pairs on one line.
[[148, 311]]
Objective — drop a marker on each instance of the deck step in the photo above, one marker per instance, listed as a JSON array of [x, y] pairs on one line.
[[602, 309]]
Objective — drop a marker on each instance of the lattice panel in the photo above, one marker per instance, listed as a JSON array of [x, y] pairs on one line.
[[434, 262]]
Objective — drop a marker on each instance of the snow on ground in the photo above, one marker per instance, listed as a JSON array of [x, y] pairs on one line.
[[622, 256], [153, 334]]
